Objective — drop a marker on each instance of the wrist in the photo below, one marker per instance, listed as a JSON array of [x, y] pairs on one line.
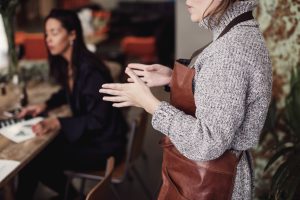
[[43, 106], [152, 105], [57, 123]]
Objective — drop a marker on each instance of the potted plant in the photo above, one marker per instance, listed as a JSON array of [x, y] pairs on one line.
[[286, 179]]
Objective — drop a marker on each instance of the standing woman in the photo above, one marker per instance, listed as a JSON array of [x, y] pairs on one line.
[[95, 130], [215, 115]]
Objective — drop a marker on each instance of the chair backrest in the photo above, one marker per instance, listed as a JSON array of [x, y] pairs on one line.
[[139, 47], [137, 146], [103, 189], [135, 139]]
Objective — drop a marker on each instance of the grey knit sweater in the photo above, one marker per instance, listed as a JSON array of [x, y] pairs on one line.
[[233, 84]]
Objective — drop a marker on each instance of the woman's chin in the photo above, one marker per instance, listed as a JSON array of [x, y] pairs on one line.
[[195, 19], [54, 53]]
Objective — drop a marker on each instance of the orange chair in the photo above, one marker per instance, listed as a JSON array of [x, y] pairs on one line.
[[104, 15], [71, 4], [101, 19], [142, 48], [20, 37], [34, 45]]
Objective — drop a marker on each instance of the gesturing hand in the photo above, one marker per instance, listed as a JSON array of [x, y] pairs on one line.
[[153, 75], [130, 94]]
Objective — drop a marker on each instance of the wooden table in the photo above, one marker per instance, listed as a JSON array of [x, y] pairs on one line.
[[25, 151]]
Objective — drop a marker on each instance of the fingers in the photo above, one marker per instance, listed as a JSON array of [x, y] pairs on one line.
[[118, 101], [31, 110], [142, 67], [22, 113], [38, 128], [115, 99], [122, 104], [113, 86], [110, 92], [139, 72], [132, 75], [35, 113], [42, 132], [130, 80], [42, 127], [137, 66], [150, 68], [117, 95]]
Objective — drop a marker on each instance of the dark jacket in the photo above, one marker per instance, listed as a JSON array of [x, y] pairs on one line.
[[95, 123]]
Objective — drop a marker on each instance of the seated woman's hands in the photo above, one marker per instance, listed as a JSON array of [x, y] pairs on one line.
[[33, 110], [136, 93], [43, 127], [153, 75], [46, 126]]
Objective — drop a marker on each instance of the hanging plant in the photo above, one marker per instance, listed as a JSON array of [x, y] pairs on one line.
[[7, 10]]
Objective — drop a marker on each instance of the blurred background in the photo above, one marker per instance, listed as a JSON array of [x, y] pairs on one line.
[[145, 31]]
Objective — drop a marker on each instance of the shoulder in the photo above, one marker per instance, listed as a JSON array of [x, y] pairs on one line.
[[243, 47], [89, 63], [246, 39], [91, 66]]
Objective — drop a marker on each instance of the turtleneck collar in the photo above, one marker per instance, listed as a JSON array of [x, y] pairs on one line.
[[235, 10]]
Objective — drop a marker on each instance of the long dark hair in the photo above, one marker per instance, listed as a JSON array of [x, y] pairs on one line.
[[58, 65]]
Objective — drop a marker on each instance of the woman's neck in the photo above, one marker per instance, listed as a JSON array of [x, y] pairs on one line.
[[236, 9], [70, 71], [67, 55]]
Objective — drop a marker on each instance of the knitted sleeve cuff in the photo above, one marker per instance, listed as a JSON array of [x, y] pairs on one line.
[[163, 117]]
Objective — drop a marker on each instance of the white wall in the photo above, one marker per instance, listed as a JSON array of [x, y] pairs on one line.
[[189, 37]]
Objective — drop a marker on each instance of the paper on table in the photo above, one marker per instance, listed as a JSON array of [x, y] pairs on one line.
[[6, 167], [21, 131]]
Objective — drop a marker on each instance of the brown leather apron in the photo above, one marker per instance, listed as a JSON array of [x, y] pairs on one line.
[[185, 179]]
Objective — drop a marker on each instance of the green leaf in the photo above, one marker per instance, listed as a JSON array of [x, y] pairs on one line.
[[278, 176], [292, 186], [293, 103], [286, 179], [277, 155]]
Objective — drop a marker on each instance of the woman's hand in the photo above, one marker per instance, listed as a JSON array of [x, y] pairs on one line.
[[153, 75], [46, 126], [130, 94], [33, 110]]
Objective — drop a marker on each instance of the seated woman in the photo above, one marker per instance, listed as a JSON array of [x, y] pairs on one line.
[[94, 131]]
